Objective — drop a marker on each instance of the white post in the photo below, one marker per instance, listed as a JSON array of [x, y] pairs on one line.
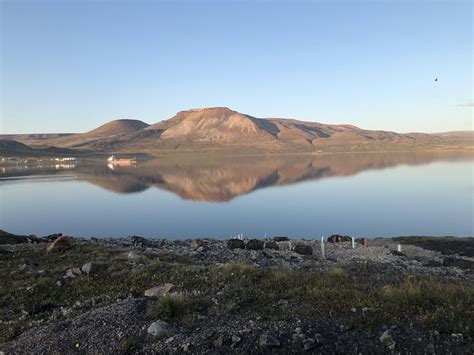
[[323, 251], [353, 242], [399, 248]]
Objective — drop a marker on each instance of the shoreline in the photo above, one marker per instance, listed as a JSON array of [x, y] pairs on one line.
[[138, 295]]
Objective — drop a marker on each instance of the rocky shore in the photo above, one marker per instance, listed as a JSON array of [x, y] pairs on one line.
[[134, 295]]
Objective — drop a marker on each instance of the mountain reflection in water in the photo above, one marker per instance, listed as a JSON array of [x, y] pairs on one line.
[[221, 179]]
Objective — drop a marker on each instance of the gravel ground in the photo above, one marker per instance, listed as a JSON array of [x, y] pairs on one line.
[[120, 322]]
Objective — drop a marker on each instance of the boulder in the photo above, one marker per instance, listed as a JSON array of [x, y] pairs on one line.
[[73, 272], [219, 342], [59, 245], [160, 290], [90, 268], [303, 249], [281, 239], [198, 245], [272, 245], [160, 328], [132, 255], [255, 244], [138, 241], [267, 341], [387, 340], [235, 244]]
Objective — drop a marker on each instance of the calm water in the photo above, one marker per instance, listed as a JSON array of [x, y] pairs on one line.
[[300, 196]]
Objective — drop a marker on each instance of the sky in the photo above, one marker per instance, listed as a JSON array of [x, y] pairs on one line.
[[70, 66]]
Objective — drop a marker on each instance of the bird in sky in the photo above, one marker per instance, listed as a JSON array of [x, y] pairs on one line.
[[436, 79]]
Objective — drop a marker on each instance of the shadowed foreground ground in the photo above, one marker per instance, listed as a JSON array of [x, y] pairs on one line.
[[266, 297]]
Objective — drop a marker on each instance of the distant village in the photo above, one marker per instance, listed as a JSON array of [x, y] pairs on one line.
[[23, 161]]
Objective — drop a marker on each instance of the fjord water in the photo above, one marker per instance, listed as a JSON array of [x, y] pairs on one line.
[[305, 196]]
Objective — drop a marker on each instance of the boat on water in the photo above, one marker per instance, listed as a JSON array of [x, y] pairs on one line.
[[113, 160]]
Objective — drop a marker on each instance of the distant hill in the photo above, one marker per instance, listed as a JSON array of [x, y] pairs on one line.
[[222, 129], [11, 147], [85, 140]]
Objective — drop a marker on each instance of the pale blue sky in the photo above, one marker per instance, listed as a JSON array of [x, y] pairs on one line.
[[69, 66]]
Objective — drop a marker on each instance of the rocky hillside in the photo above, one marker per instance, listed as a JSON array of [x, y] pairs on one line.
[[220, 128], [65, 295], [86, 140]]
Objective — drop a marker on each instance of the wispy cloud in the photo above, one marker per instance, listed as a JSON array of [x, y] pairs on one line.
[[467, 104]]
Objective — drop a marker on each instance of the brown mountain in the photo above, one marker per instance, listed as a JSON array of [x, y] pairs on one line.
[[222, 129], [113, 129]]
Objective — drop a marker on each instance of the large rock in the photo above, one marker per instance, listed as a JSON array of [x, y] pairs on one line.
[[73, 272], [387, 340], [160, 328], [255, 244], [235, 244], [160, 290], [303, 249], [267, 341], [90, 268], [132, 255], [138, 241], [198, 245], [272, 245], [59, 245]]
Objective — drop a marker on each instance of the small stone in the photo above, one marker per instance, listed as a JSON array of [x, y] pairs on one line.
[[303, 249], [310, 344], [160, 290], [59, 245], [235, 339], [90, 268], [387, 340], [235, 244], [255, 244], [253, 255], [353, 309], [133, 256], [159, 328], [267, 341], [298, 330], [73, 272], [219, 342]]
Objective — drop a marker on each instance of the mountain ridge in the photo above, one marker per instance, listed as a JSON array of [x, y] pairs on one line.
[[223, 129]]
